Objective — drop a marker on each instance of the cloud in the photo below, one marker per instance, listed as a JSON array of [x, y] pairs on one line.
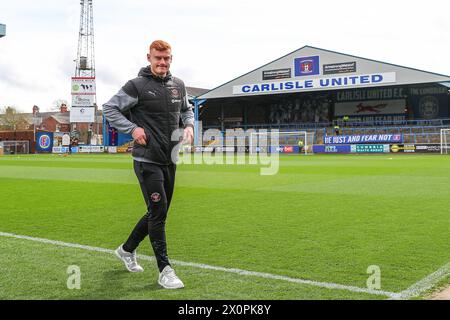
[[213, 41]]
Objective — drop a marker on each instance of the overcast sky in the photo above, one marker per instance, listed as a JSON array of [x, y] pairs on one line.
[[212, 41]]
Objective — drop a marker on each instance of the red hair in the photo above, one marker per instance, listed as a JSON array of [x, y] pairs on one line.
[[160, 45]]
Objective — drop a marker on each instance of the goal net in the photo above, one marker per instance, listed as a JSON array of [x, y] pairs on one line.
[[292, 142], [445, 140], [15, 147]]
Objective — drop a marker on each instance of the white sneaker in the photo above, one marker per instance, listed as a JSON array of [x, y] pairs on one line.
[[169, 280], [129, 259]]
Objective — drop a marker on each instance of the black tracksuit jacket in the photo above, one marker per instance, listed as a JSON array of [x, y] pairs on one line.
[[154, 104]]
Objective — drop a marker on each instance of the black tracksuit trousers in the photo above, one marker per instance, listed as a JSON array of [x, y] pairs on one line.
[[157, 183]]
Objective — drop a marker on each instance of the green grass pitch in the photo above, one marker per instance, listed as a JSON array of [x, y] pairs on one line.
[[321, 218]]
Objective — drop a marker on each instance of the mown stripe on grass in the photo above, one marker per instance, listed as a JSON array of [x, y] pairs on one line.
[[122, 176]]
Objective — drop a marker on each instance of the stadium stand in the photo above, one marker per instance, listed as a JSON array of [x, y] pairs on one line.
[[414, 131]]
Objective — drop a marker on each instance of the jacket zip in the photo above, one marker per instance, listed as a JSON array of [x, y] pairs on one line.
[[168, 120]]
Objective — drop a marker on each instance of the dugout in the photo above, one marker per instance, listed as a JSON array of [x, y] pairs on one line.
[[312, 87]]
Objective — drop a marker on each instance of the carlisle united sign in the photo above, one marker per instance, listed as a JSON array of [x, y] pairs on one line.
[[317, 83]]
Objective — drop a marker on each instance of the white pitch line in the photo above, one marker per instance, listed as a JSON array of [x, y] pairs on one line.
[[426, 283], [327, 285]]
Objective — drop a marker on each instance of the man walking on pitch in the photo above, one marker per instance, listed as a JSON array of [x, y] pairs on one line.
[[153, 103]]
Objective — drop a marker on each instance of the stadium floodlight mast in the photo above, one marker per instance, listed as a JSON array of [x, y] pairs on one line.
[[445, 133], [85, 62], [289, 138]]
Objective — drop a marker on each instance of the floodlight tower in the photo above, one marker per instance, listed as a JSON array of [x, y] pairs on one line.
[[84, 99], [85, 56]]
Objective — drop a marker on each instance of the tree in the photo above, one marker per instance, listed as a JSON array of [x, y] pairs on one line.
[[12, 120], [56, 105]]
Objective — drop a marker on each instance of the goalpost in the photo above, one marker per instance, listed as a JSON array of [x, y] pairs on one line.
[[15, 147], [262, 141], [445, 139]]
